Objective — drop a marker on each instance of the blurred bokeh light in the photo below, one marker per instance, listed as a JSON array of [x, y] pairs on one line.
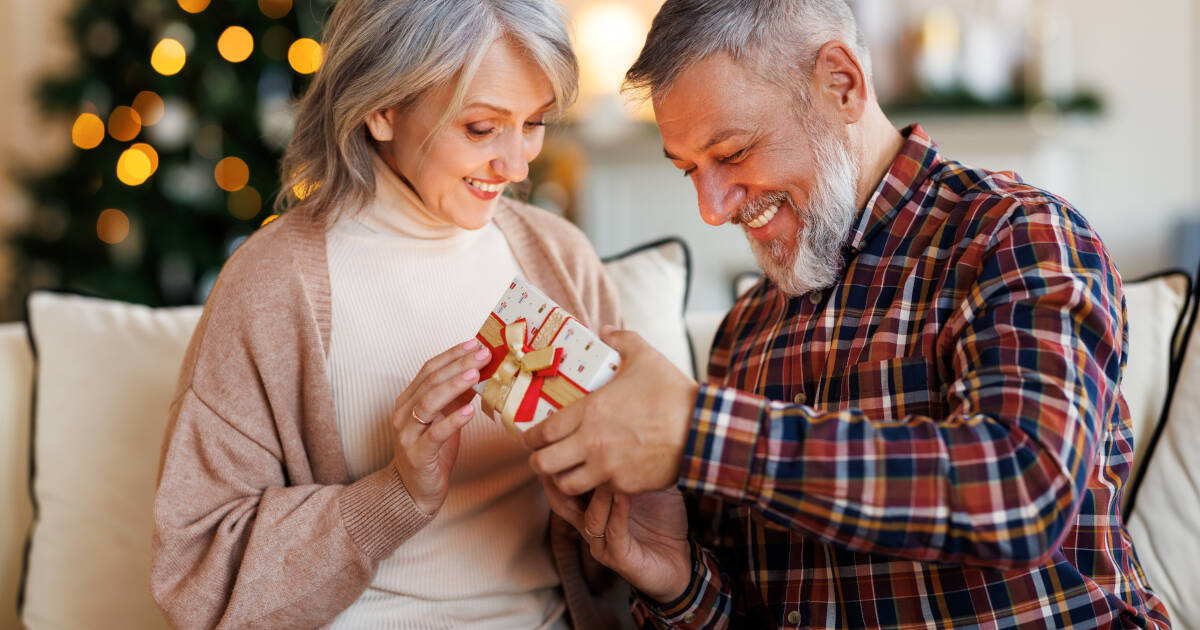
[[304, 55], [113, 226], [235, 44], [168, 57], [231, 174], [88, 131], [149, 106]]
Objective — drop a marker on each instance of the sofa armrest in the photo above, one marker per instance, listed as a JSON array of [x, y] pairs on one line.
[[16, 392]]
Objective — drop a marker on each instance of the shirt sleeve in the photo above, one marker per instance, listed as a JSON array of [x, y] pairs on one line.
[[1033, 351], [704, 604]]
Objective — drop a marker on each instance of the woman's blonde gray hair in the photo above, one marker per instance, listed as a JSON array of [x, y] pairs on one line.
[[777, 39], [380, 54]]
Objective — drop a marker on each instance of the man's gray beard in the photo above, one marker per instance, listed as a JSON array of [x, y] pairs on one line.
[[826, 221]]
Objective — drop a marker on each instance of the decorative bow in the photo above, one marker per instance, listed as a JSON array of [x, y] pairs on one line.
[[516, 384]]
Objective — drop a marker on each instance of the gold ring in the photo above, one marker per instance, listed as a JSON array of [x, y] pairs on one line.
[[589, 532], [418, 418]]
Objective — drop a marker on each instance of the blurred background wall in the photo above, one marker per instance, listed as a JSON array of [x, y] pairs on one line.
[[1096, 101]]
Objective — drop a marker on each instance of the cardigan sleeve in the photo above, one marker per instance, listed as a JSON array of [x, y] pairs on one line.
[[250, 527], [235, 546]]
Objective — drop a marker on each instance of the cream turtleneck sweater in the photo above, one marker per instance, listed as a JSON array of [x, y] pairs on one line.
[[406, 287]]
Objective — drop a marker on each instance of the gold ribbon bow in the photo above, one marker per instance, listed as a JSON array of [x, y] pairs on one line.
[[521, 373]]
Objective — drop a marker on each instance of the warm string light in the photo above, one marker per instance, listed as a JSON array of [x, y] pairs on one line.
[[141, 160], [235, 44], [231, 174], [124, 123], [193, 6], [150, 154], [112, 226], [149, 106], [168, 57], [134, 167], [275, 9], [88, 131], [304, 189], [244, 204], [304, 55]]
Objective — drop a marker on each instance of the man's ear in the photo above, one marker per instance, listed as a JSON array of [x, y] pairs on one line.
[[380, 124], [839, 82]]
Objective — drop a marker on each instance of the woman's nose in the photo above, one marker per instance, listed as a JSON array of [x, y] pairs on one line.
[[511, 163]]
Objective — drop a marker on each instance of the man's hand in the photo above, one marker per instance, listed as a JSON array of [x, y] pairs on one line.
[[629, 433], [641, 537]]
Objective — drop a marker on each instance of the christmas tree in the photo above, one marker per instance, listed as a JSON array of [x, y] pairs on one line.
[[180, 112]]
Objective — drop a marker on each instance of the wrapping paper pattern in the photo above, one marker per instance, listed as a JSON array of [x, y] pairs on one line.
[[543, 359]]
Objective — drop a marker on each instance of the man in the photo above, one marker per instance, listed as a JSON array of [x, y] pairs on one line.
[[915, 420]]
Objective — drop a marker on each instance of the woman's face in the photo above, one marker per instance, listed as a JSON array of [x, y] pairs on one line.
[[488, 144]]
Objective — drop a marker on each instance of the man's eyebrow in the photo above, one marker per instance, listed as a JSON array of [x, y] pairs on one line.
[[504, 111], [718, 138], [722, 136]]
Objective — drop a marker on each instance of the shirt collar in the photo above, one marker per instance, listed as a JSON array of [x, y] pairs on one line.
[[912, 166]]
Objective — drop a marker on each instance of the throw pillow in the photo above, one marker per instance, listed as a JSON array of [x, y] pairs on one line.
[[1167, 506], [1154, 309], [652, 281], [105, 375]]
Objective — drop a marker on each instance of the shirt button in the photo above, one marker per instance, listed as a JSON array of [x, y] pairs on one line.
[[689, 618], [794, 617], [800, 398], [815, 297]]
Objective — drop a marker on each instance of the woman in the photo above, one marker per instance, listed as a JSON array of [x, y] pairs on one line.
[[319, 466]]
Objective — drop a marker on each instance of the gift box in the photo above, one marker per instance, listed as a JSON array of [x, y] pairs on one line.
[[543, 359]]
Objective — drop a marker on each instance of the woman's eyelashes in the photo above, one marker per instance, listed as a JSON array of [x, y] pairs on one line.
[[480, 131]]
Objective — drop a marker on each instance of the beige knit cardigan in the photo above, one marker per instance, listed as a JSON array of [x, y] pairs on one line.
[[256, 523]]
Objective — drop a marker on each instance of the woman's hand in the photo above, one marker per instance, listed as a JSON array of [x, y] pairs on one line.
[[428, 418], [643, 537]]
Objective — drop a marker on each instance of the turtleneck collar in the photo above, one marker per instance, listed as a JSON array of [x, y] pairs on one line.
[[397, 208]]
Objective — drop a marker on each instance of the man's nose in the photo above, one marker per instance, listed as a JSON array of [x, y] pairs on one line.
[[718, 200]]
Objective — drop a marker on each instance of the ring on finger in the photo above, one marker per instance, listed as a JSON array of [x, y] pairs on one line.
[[589, 533], [418, 418]]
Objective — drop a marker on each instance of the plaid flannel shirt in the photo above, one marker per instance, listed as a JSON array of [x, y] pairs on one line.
[[939, 440]]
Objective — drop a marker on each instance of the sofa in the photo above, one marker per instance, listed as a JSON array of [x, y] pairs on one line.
[[85, 383]]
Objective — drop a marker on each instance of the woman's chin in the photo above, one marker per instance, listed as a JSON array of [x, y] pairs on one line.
[[475, 221]]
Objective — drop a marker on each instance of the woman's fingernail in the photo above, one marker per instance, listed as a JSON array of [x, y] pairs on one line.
[[471, 375], [482, 354], [467, 410], [470, 344]]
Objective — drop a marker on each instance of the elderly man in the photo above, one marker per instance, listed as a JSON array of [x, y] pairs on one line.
[[915, 420]]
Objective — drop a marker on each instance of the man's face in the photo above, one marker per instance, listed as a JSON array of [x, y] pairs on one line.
[[790, 181]]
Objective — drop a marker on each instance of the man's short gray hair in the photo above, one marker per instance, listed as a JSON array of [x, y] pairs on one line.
[[391, 53], [777, 39]]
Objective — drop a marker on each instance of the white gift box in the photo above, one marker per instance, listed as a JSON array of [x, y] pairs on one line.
[[523, 395]]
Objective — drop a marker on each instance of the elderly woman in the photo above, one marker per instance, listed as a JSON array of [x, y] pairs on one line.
[[320, 467]]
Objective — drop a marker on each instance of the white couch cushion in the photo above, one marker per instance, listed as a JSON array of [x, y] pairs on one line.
[[1167, 507], [1154, 307], [652, 281], [106, 372], [16, 387]]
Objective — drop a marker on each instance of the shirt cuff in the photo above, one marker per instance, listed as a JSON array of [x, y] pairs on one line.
[[700, 605], [719, 455]]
